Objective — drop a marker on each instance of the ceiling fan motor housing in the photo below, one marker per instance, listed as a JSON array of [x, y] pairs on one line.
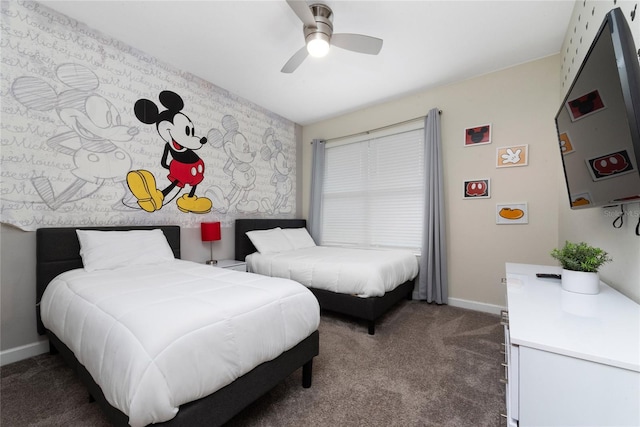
[[323, 16]]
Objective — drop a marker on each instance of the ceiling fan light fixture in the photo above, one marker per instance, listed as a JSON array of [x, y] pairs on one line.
[[317, 20], [318, 45]]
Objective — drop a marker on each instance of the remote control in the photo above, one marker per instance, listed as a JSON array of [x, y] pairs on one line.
[[549, 276]]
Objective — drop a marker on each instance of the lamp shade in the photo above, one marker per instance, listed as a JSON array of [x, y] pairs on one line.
[[210, 231]]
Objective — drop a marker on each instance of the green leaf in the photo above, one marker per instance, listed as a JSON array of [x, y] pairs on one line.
[[580, 257]]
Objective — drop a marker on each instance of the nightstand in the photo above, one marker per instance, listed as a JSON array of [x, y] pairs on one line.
[[231, 264]]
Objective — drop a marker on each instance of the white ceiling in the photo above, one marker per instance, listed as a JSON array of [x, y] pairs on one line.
[[241, 46]]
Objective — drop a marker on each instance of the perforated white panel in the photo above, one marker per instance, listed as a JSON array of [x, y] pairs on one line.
[[585, 22]]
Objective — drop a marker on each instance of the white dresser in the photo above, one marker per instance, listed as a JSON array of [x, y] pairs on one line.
[[571, 359]]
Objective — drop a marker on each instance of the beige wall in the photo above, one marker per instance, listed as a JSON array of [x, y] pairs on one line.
[[520, 103], [594, 226]]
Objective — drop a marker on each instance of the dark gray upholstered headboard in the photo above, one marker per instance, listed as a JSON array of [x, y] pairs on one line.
[[58, 250], [244, 246]]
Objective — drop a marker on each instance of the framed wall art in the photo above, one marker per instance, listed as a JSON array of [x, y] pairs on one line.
[[512, 213], [477, 135], [513, 155], [476, 189]]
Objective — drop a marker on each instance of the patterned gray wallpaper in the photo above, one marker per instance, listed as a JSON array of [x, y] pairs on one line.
[[76, 151]]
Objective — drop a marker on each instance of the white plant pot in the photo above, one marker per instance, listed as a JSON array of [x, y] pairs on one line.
[[580, 282]]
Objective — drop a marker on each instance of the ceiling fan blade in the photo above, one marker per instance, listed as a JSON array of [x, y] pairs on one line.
[[295, 61], [301, 8], [357, 43]]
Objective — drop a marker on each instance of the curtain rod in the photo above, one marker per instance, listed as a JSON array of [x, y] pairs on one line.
[[378, 129]]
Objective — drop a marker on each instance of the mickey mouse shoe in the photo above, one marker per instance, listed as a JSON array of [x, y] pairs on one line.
[[143, 186], [195, 204]]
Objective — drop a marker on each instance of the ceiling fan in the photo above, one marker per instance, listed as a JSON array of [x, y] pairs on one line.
[[318, 34]]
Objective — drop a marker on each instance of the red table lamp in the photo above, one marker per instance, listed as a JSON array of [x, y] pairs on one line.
[[210, 232]]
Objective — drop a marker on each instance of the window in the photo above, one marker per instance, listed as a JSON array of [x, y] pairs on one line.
[[373, 190]]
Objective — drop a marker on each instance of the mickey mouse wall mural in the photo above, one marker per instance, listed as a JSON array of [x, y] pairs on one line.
[[179, 157], [240, 154], [92, 135], [272, 152]]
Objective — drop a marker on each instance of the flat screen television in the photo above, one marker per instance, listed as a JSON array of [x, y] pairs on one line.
[[598, 122]]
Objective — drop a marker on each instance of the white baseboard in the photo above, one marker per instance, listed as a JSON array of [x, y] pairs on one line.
[[23, 352], [474, 305]]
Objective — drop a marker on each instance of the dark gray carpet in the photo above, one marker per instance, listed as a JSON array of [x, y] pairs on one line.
[[427, 365]]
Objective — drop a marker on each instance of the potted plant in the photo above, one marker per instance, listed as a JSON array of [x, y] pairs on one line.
[[580, 264]]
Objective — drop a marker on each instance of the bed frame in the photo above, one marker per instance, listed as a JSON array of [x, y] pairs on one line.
[[368, 309], [57, 250]]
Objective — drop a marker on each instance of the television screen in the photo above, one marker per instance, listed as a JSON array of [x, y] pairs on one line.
[[598, 123]]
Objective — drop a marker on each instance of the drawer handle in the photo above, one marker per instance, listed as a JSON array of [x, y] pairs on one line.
[[504, 318]]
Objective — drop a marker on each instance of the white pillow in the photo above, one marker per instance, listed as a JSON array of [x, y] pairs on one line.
[[299, 238], [108, 250], [269, 241]]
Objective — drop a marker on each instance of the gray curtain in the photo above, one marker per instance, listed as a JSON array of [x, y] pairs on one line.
[[317, 177], [433, 278]]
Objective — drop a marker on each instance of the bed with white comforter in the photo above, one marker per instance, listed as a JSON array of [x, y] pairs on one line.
[[157, 336], [361, 272]]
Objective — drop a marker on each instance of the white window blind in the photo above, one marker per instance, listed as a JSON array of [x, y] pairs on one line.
[[373, 192]]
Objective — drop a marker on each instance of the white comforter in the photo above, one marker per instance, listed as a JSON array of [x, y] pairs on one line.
[[155, 337], [361, 272]]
